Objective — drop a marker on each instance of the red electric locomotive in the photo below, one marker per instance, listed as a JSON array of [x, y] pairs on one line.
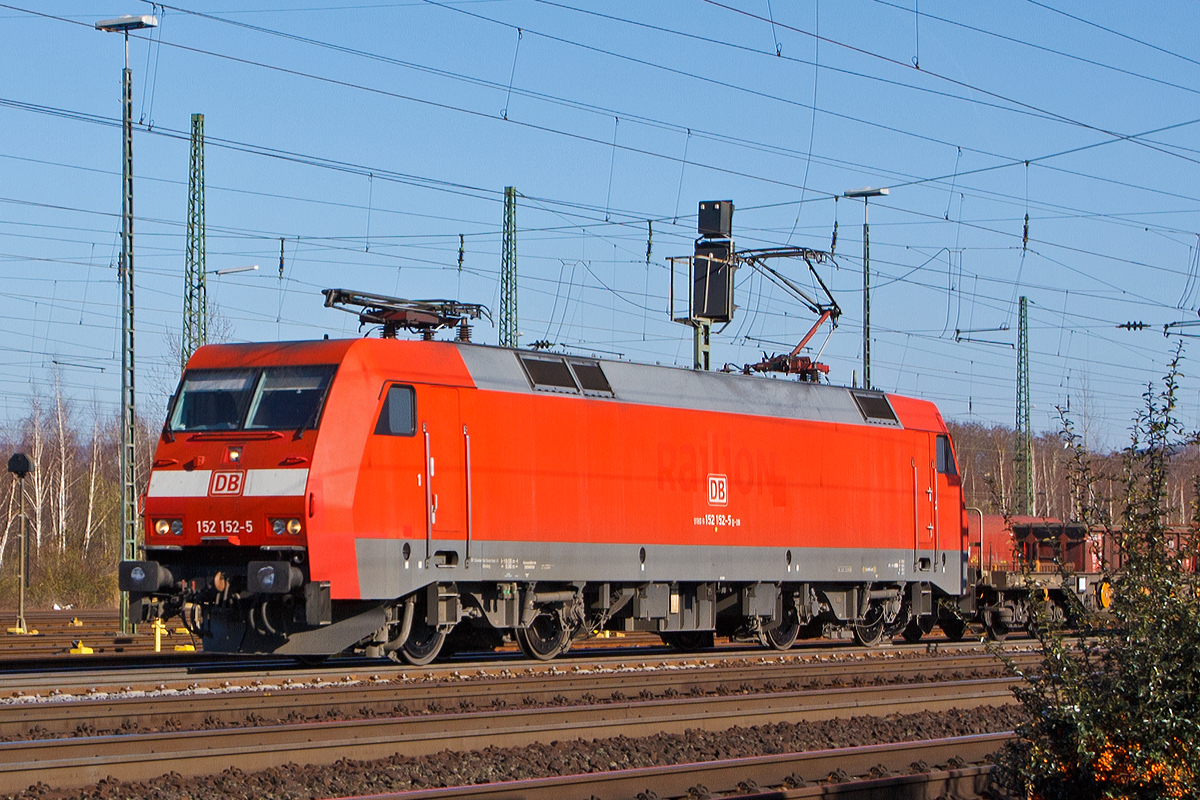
[[379, 495]]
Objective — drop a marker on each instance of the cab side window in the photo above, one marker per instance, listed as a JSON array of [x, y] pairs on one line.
[[945, 457], [398, 417]]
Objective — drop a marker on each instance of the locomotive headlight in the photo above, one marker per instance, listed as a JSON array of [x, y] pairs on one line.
[[282, 526], [162, 527], [177, 527]]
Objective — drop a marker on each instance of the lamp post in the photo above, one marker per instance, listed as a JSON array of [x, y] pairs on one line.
[[865, 194], [19, 466], [128, 422]]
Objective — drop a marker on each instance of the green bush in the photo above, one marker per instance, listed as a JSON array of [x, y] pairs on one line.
[[1114, 709]]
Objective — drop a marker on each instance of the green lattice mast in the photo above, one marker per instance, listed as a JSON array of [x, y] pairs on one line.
[[195, 290], [508, 271], [1023, 489]]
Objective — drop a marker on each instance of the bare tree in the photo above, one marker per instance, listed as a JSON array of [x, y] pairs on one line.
[[9, 518], [63, 461], [37, 482], [93, 519]]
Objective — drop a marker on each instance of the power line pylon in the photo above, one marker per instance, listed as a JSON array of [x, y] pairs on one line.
[[195, 289], [1023, 496], [508, 271]]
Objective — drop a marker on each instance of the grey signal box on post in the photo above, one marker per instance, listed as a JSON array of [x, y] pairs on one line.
[[712, 281], [715, 220], [712, 290]]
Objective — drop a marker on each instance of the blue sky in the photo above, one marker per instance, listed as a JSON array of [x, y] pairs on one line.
[[370, 136]]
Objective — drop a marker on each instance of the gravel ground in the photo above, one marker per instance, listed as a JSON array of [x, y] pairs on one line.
[[400, 773]]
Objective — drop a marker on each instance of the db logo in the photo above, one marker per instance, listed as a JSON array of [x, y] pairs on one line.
[[718, 490], [227, 483]]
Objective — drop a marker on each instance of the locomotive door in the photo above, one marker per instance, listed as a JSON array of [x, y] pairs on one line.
[[388, 495], [925, 540], [948, 490], [443, 480]]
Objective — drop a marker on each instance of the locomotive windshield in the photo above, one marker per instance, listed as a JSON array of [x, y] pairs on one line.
[[289, 397], [276, 398], [213, 399]]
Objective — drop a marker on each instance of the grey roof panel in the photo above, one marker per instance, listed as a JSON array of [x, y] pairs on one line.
[[498, 369], [494, 368]]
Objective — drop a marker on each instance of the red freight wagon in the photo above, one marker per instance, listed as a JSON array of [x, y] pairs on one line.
[[1014, 555], [310, 497]]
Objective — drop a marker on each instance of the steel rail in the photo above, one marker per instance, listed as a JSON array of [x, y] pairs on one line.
[[79, 761], [364, 697], [738, 775], [181, 671]]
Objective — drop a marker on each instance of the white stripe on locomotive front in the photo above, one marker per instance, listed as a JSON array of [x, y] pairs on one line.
[[259, 483]]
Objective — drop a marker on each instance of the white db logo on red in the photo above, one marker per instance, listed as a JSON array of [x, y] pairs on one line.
[[718, 490], [227, 483]]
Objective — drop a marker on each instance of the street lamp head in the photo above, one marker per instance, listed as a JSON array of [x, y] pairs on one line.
[[865, 192], [127, 23], [232, 270]]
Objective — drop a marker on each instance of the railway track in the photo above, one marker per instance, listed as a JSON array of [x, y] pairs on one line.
[[849, 773], [349, 696], [177, 670], [81, 760], [201, 719], [58, 632]]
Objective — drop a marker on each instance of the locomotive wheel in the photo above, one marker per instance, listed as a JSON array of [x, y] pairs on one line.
[[423, 645], [869, 632], [688, 641], [783, 635], [953, 626], [997, 631], [544, 639]]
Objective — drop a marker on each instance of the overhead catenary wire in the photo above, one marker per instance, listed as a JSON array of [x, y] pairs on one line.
[[1134, 139], [1124, 36], [641, 218], [1013, 163], [209, 16], [314, 161], [1091, 62]]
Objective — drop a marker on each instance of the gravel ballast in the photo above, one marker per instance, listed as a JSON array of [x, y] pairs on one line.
[[401, 773]]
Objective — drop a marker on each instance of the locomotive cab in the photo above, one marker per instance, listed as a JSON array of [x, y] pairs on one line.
[[226, 523]]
